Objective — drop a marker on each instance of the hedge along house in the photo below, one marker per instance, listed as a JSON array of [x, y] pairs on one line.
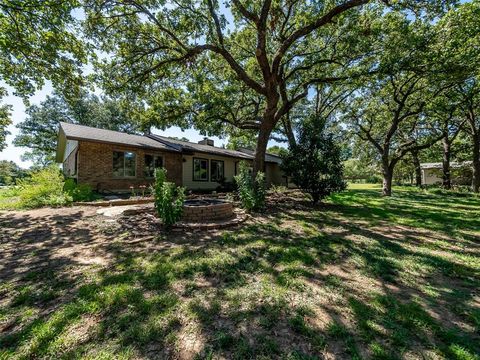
[[113, 161]]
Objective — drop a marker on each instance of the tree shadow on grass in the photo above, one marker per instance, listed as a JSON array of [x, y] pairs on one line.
[[448, 214], [258, 291]]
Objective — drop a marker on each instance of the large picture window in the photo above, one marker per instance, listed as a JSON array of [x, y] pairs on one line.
[[217, 172], [124, 164], [152, 162], [200, 169]]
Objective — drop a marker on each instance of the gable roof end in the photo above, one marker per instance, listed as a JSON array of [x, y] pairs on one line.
[[61, 144]]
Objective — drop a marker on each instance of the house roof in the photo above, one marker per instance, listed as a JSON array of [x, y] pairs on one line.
[[187, 146], [87, 133], [81, 132], [268, 157], [439, 165]]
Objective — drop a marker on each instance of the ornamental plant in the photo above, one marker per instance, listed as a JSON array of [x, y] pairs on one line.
[[252, 192], [168, 198]]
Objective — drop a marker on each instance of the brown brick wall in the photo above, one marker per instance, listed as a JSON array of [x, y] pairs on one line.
[[95, 166]]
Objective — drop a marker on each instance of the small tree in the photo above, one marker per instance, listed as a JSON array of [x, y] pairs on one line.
[[251, 191], [168, 199], [314, 163]]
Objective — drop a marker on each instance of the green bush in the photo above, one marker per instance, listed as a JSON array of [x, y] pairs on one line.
[[251, 191], [314, 162], [43, 188], [168, 199], [82, 192]]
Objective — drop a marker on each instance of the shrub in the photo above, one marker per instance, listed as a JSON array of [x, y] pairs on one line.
[[314, 163], [251, 191], [278, 189], [43, 188], [82, 192], [226, 186], [168, 199]]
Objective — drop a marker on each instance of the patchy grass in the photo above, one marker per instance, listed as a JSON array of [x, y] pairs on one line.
[[9, 197], [360, 277]]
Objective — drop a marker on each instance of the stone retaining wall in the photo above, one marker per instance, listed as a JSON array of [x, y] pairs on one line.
[[207, 212]]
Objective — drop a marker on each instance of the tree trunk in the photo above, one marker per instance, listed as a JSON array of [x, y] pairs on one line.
[[387, 183], [260, 150], [476, 163], [418, 169], [447, 181], [387, 179], [287, 125]]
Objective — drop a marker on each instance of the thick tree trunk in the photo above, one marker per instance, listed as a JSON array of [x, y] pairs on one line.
[[387, 178], [387, 183], [261, 149], [418, 169], [476, 163], [447, 181], [289, 131]]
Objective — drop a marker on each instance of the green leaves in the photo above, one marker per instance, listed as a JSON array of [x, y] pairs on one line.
[[4, 121], [252, 191], [40, 40], [168, 199], [314, 163]]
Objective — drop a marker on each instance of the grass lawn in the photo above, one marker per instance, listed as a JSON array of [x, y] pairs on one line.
[[361, 276]]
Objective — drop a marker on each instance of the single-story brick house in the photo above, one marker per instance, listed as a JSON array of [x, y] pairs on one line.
[[113, 161]]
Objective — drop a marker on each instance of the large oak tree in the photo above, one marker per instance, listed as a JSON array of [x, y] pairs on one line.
[[459, 35], [244, 65]]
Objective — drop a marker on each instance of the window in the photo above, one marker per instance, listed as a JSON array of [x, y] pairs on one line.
[[152, 162], [200, 169], [216, 170], [124, 164]]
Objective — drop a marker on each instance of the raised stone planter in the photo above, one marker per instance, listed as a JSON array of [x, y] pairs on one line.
[[206, 210]]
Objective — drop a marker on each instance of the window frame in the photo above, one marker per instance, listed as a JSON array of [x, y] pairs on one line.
[[193, 169], [211, 168], [144, 164], [135, 167]]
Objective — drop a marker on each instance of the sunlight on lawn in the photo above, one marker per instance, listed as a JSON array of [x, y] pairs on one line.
[[347, 279]]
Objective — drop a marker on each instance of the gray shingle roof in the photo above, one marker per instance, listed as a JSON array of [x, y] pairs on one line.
[[268, 157], [207, 149], [81, 132]]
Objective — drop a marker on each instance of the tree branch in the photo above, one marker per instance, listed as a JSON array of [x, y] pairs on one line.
[[322, 21], [243, 10], [217, 23]]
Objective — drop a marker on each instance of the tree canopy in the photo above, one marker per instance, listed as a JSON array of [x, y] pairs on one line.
[[41, 40], [253, 70], [245, 66]]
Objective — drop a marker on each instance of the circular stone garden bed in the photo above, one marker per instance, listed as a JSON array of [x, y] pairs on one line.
[[205, 210], [199, 214]]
